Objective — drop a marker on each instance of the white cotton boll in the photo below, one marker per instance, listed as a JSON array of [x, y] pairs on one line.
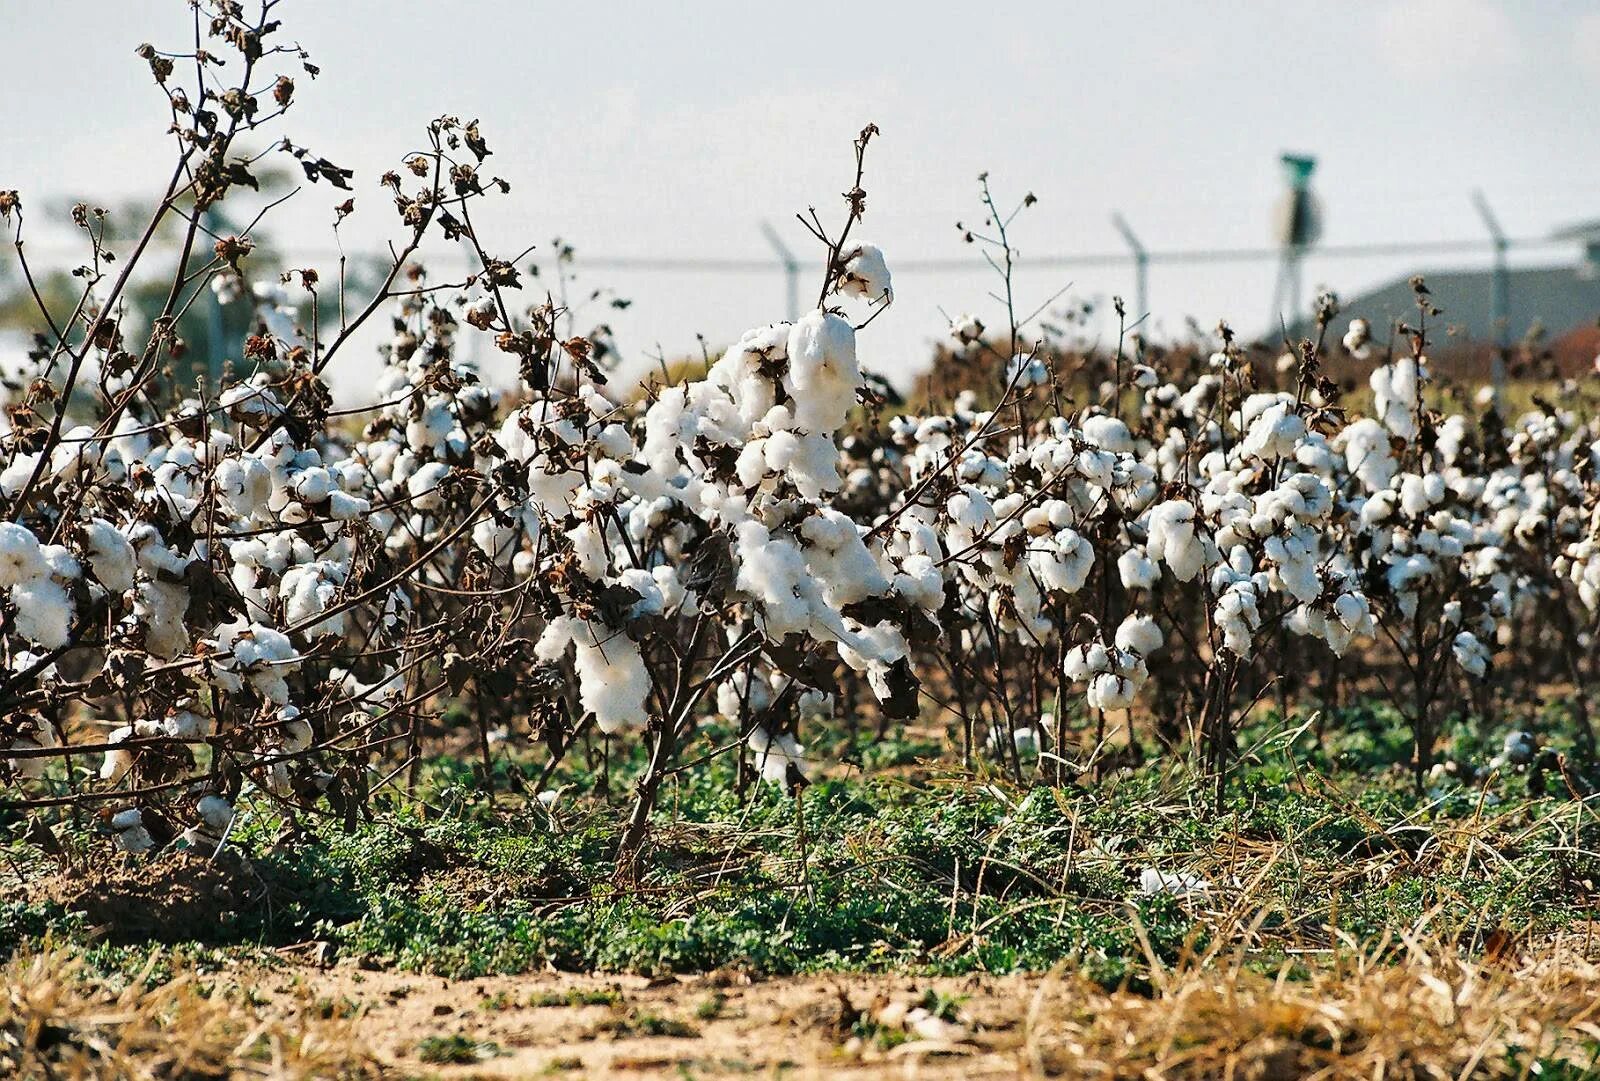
[[1471, 654], [244, 483], [17, 473], [643, 583], [1414, 501], [1176, 883], [250, 404], [1172, 538], [1108, 433], [44, 613], [1064, 564], [773, 571], [431, 427], [1357, 339], [1140, 634], [423, 486], [1110, 691], [312, 485], [308, 591], [160, 608], [776, 755], [132, 837], [1239, 618], [63, 565], [1521, 747], [967, 330], [1365, 444], [110, 556], [77, 455], [555, 638], [21, 556], [295, 731], [1137, 570], [1024, 371], [263, 654], [343, 507], [33, 735], [1395, 395], [589, 546], [814, 705], [1275, 430], [187, 725], [920, 582], [612, 680], [118, 761], [215, 813], [866, 274], [823, 372]]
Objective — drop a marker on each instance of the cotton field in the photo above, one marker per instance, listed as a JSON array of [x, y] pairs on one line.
[[1112, 655]]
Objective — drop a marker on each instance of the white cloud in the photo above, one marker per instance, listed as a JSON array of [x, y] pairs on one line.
[[1443, 37]]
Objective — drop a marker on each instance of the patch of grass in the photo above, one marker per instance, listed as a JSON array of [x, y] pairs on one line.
[[645, 1023], [454, 1050], [576, 997], [930, 871]]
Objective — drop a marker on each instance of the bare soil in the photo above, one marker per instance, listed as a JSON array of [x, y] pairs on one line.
[[717, 1025]]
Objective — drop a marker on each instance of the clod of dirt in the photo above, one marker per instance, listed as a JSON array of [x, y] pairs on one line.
[[175, 898]]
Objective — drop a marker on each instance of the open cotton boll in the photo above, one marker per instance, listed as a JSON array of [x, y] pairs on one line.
[[250, 404], [129, 830], [1176, 883], [1520, 748], [186, 724], [423, 486], [776, 755], [1063, 564], [739, 696], [1137, 570], [866, 274], [823, 373], [118, 761], [33, 734], [1273, 428], [309, 590], [589, 547], [77, 455], [1171, 538], [110, 556], [21, 556], [17, 473], [1108, 433], [44, 613], [1108, 690], [1395, 390], [264, 655], [1471, 654], [215, 813], [612, 680], [1024, 371], [1365, 444], [1357, 339], [1141, 634]]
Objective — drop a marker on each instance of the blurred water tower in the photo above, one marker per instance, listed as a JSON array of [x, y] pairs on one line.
[[1297, 224]]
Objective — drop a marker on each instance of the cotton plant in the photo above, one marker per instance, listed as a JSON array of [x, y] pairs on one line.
[[245, 576]]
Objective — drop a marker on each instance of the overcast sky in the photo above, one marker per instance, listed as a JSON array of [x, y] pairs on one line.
[[673, 129]]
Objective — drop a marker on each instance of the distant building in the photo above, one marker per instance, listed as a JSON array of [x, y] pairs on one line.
[[1562, 300]]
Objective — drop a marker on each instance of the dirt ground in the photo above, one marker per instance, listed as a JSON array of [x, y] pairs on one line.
[[719, 1025]]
